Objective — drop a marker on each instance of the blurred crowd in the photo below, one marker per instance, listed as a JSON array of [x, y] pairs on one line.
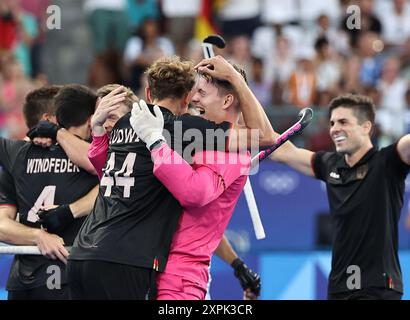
[[296, 53]]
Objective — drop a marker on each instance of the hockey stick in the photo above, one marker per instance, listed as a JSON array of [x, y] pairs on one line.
[[209, 42], [10, 249], [305, 115]]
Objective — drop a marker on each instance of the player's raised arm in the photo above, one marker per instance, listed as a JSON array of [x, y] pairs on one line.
[[298, 158], [253, 114]]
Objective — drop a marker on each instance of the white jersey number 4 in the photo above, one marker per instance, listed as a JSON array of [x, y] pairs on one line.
[[46, 198], [122, 177]]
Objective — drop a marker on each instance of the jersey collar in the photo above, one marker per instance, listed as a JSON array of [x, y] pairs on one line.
[[341, 163]]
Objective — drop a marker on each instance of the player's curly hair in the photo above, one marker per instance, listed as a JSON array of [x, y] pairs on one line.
[[363, 106], [130, 97], [170, 77]]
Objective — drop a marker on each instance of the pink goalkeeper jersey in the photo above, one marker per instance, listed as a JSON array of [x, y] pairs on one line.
[[208, 192], [97, 153]]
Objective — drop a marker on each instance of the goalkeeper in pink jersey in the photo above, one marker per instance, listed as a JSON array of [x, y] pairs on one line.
[[250, 281], [208, 190]]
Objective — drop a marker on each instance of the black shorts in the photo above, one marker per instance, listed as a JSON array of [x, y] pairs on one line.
[[101, 280], [39, 293], [367, 294]]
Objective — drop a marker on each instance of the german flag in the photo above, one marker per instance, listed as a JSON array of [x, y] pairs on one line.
[[205, 22]]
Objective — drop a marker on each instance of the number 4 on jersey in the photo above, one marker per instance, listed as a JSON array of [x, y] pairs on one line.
[[46, 198], [122, 177]]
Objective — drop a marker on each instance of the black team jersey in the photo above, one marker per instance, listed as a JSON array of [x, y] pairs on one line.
[[41, 177], [135, 216], [365, 203]]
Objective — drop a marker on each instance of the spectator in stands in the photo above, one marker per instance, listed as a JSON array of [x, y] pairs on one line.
[[279, 12], [239, 17], [140, 10], [369, 48], [276, 51], [194, 51], [13, 90], [303, 82], [8, 27], [393, 105], [261, 88], [38, 9], [368, 22], [328, 68], [27, 33], [281, 64], [108, 22], [180, 21], [310, 9], [404, 55], [144, 48], [240, 52], [396, 22], [350, 81], [338, 39]]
